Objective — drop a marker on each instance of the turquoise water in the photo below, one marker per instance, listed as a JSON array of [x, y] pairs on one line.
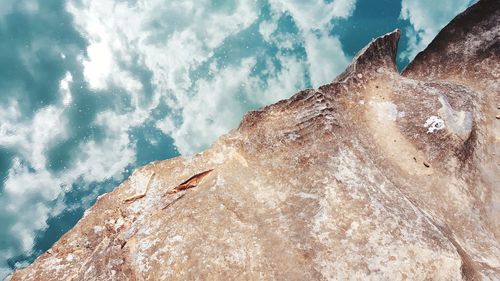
[[90, 90]]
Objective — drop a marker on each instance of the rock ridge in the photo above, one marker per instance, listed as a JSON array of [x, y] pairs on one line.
[[377, 56], [377, 175]]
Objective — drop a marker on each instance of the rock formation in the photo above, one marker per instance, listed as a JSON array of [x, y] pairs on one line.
[[375, 176]]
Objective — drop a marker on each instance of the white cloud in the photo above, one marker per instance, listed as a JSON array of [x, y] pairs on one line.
[[315, 14], [282, 83], [326, 58], [266, 28], [22, 184], [427, 18], [32, 137], [47, 127], [29, 185], [343, 8], [99, 161], [25, 190], [30, 219], [64, 84], [99, 65], [128, 30], [213, 110], [165, 125], [195, 31], [104, 160]]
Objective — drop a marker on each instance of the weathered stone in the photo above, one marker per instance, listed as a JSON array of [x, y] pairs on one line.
[[377, 176]]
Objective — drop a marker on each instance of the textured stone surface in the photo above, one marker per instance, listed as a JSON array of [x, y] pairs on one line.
[[377, 176]]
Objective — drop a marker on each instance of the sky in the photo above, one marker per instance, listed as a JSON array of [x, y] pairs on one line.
[[92, 89]]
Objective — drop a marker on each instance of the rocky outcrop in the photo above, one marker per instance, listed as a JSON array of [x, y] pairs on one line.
[[377, 175]]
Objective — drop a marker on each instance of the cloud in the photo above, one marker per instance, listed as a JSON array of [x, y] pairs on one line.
[[326, 58], [213, 110], [282, 83], [99, 65], [343, 8], [102, 160], [126, 31], [314, 14], [427, 18], [267, 28], [32, 138], [66, 96]]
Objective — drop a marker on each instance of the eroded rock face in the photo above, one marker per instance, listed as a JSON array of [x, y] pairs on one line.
[[377, 176]]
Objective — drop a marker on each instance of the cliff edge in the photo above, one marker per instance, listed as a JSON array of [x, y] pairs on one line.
[[377, 175]]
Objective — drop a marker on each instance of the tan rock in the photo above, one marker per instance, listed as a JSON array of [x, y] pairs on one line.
[[376, 176]]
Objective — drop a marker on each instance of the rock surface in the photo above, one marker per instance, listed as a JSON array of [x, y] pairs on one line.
[[378, 175]]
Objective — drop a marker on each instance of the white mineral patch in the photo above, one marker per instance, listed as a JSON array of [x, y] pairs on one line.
[[220, 181], [119, 222], [218, 158], [149, 201], [459, 122], [176, 238], [98, 229], [386, 111], [138, 181], [70, 257], [306, 195], [266, 194], [292, 136], [434, 123]]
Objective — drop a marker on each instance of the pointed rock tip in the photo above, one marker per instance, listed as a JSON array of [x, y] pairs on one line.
[[379, 53]]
